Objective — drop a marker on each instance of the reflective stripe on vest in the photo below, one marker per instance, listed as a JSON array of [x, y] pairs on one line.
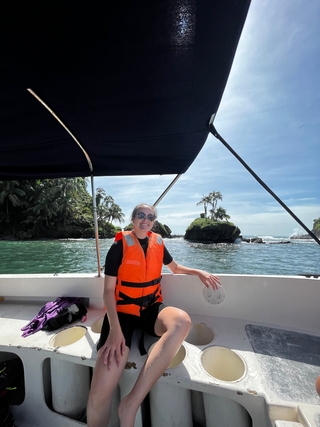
[[139, 275], [128, 239]]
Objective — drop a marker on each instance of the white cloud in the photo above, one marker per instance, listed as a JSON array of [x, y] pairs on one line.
[[278, 223]]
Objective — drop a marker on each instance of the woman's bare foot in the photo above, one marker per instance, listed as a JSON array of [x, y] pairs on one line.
[[127, 413]]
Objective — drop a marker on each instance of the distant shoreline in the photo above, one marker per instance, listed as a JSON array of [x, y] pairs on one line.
[[44, 239], [247, 239]]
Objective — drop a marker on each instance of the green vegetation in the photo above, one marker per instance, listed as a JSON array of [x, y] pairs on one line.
[[216, 214], [107, 210], [316, 225], [204, 222], [54, 208], [216, 228]]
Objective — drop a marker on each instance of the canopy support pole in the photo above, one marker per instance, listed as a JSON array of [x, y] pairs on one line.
[[95, 219], [91, 170], [214, 132], [166, 190]]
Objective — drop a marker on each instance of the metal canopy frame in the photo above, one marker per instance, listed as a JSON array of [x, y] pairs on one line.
[[214, 132], [94, 205]]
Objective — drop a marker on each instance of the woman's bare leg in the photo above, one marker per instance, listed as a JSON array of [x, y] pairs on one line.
[[173, 326], [103, 384]]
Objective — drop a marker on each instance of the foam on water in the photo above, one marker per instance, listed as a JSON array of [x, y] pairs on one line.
[[273, 238]]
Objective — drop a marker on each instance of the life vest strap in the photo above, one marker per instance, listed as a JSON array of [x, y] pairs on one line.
[[141, 302], [141, 284]]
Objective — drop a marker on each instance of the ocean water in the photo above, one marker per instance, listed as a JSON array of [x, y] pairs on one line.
[[79, 256]]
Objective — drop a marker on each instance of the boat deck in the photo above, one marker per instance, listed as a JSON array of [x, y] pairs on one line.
[[267, 370]]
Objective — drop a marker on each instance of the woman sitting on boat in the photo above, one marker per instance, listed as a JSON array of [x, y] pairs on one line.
[[132, 297]]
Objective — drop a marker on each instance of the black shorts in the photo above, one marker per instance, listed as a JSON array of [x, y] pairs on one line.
[[130, 323]]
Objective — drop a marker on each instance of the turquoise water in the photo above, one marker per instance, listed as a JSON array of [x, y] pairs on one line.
[[79, 256]]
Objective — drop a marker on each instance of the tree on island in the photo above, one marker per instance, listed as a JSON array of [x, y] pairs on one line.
[[55, 208], [219, 214], [103, 203], [56, 201], [107, 209], [115, 213], [206, 200], [10, 193], [316, 227], [212, 229]]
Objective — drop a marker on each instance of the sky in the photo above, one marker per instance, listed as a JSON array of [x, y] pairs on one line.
[[270, 115]]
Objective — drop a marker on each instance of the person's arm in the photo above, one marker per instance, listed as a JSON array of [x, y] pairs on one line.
[[206, 278], [115, 343]]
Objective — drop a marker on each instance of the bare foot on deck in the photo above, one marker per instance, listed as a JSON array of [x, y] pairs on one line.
[[126, 413]]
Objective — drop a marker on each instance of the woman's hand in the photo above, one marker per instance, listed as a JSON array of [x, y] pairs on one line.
[[113, 348], [209, 279]]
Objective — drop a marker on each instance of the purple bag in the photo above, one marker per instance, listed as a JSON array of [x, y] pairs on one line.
[[47, 312]]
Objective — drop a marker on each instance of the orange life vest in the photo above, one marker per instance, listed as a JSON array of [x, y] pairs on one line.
[[139, 276]]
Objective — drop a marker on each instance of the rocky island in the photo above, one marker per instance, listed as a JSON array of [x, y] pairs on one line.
[[213, 225], [260, 241], [208, 230], [315, 230], [158, 228]]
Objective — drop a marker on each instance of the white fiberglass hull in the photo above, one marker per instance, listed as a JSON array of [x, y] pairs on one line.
[[250, 360]]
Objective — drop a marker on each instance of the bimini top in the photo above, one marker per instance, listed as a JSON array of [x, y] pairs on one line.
[[135, 82]]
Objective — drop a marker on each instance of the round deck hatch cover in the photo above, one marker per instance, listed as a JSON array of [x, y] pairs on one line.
[[214, 296]]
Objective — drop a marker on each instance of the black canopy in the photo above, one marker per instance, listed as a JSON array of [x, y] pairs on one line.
[[135, 82]]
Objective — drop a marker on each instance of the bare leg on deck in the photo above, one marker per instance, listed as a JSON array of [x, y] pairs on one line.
[[173, 326], [103, 384]]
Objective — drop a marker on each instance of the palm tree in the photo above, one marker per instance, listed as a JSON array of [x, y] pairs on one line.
[[115, 213], [55, 199], [45, 207], [206, 200], [10, 191], [220, 214], [100, 195], [214, 197], [103, 203], [108, 202], [70, 194]]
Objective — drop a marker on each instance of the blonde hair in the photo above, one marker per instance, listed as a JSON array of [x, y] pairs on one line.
[[143, 205]]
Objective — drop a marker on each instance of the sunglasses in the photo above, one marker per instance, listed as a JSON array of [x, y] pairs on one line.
[[142, 215]]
